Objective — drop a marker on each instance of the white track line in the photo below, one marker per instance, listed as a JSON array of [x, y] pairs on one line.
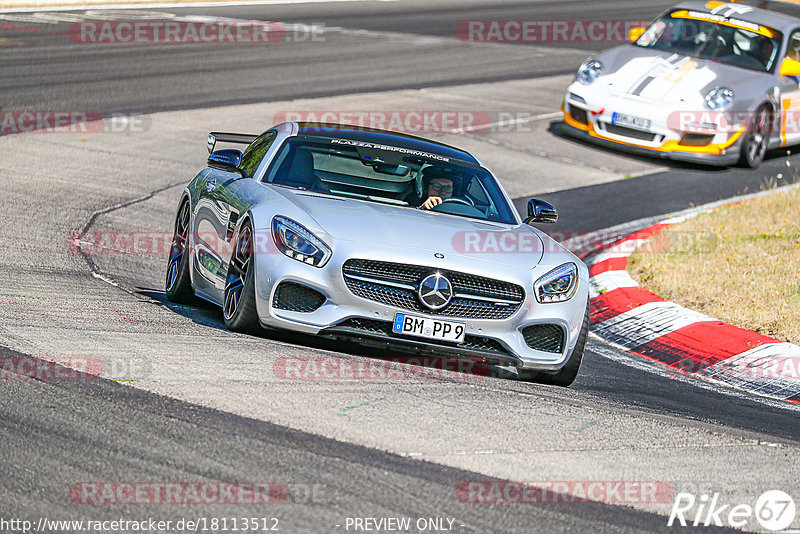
[[521, 120]]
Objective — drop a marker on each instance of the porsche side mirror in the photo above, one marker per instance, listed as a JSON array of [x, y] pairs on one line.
[[226, 160], [790, 67], [540, 211], [635, 33]]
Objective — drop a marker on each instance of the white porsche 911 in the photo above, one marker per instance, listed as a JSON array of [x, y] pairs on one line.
[[708, 82]]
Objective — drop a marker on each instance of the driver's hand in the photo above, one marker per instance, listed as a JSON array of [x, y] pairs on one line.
[[431, 202]]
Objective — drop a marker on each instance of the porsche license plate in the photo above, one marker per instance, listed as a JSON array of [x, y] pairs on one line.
[[629, 121], [414, 325]]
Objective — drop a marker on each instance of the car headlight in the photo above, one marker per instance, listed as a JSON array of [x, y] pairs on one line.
[[558, 285], [295, 241], [589, 71], [719, 99]]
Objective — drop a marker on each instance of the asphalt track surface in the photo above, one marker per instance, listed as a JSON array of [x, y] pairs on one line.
[[134, 435], [55, 433], [425, 53]]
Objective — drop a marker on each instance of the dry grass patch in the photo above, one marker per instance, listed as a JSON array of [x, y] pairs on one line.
[[739, 264]]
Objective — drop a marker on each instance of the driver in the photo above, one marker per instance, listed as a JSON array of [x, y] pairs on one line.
[[437, 185]]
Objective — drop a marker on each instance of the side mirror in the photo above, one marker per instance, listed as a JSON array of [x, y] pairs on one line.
[[226, 160], [790, 67], [635, 33], [540, 211]]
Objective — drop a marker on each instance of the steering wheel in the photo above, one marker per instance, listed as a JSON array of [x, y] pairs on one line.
[[466, 202], [700, 38], [459, 206]]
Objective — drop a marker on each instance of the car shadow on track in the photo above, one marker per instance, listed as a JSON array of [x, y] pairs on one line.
[[772, 156], [387, 361]]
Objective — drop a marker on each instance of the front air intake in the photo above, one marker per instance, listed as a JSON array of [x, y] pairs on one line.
[[291, 296], [544, 337]]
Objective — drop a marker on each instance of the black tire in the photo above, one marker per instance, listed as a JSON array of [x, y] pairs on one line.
[[178, 283], [239, 301], [756, 138], [566, 375]]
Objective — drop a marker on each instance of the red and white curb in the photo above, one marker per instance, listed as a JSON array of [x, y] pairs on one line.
[[687, 342]]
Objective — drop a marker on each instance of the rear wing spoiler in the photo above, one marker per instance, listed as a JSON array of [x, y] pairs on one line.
[[244, 139]]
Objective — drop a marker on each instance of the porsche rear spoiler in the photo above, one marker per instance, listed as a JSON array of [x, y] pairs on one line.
[[244, 139]]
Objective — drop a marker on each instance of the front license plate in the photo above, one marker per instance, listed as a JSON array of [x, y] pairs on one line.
[[637, 123], [414, 325]]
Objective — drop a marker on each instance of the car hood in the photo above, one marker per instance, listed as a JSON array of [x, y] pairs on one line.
[[666, 77], [372, 222]]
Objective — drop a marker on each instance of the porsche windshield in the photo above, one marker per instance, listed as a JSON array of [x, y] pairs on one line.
[[708, 36], [390, 175]]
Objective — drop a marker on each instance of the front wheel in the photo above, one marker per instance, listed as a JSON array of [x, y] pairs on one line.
[[756, 138], [178, 284], [566, 375], [239, 302]]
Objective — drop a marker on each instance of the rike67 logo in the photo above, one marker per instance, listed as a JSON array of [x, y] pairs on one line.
[[774, 510]]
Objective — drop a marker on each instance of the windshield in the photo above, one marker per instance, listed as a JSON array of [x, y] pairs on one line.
[[390, 175], [708, 36]]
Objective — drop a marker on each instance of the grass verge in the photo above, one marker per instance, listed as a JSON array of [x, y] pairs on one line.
[[739, 264]]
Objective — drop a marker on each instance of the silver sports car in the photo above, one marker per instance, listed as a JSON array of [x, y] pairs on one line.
[[707, 82], [382, 237]]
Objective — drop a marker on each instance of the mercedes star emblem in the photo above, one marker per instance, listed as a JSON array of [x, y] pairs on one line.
[[435, 291]]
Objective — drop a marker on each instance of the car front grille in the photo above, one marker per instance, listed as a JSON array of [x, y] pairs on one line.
[[544, 337], [395, 284], [292, 296], [384, 329], [629, 132]]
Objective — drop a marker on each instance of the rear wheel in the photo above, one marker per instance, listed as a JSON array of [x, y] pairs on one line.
[[239, 302], [756, 138], [178, 284], [567, 374]]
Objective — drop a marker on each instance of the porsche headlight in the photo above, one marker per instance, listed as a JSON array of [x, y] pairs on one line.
[[719, 99], [295, 241], [558, 285], [589, 71]]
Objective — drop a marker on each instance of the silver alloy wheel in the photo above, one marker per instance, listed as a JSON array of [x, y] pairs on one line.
[[757, 138], [237, 272], [178, 247]]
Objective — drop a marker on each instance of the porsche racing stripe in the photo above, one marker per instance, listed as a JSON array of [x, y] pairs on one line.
[[673, 61]]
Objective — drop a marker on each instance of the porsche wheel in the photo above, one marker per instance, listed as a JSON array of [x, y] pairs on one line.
[[239, 302], [178, 284], [756, 138], [567, 374]]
